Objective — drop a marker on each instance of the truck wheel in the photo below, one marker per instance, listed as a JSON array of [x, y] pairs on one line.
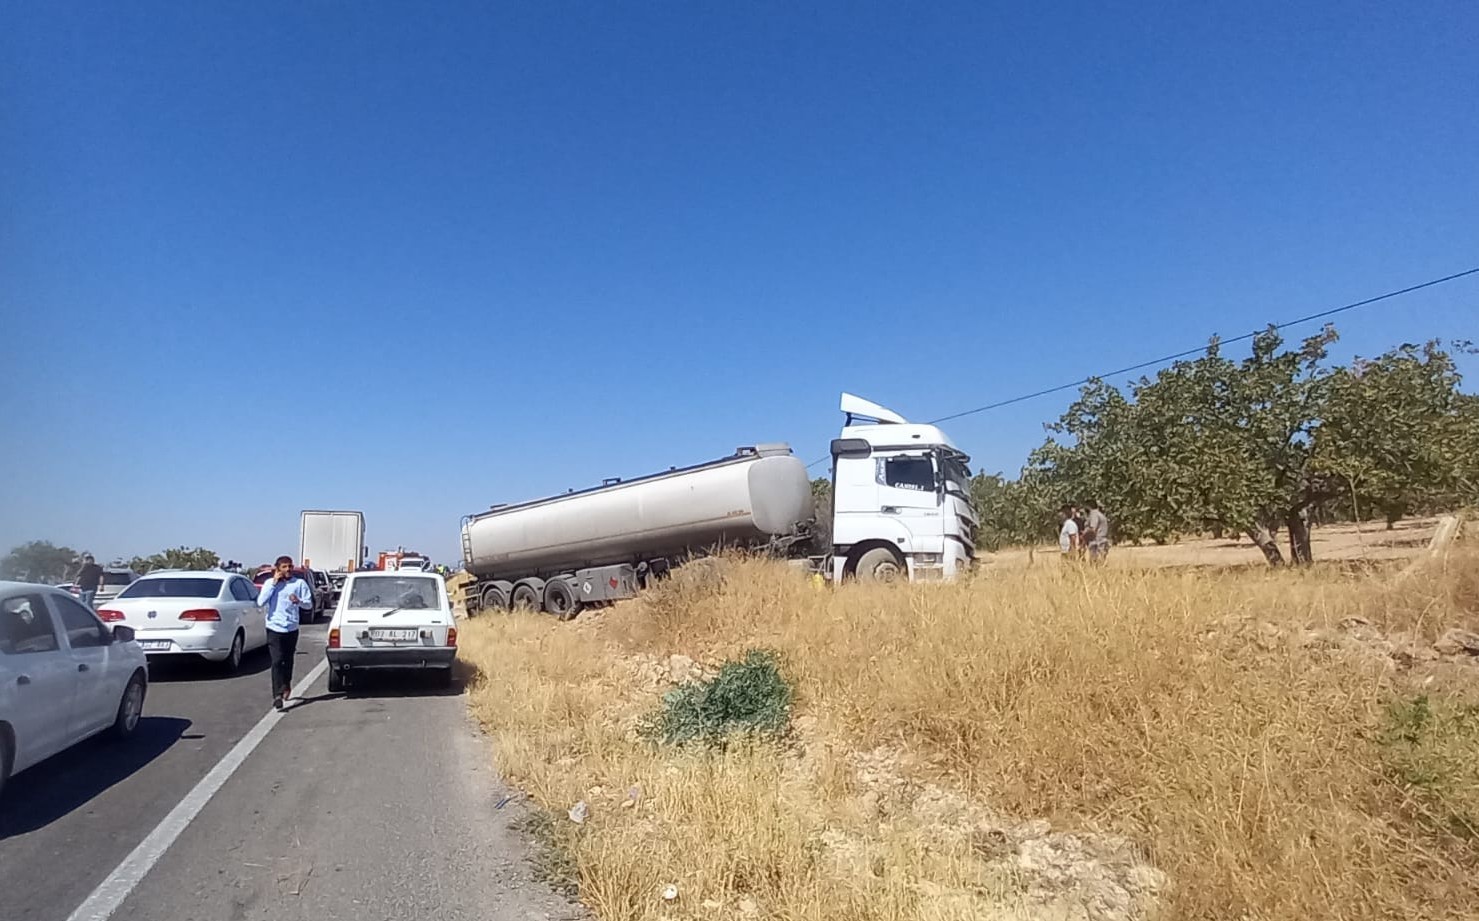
[[525, 597], [879, 565], [495, 600], [560, 600]]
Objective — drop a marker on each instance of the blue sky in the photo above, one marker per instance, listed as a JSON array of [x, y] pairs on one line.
[[415, 259]]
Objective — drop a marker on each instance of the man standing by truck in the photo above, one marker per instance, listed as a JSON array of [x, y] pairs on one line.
[[284, 596]]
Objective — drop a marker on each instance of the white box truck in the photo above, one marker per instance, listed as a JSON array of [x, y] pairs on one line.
[[333, 541]]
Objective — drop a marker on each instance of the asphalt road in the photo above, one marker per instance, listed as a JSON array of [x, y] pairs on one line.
[[379, 805]]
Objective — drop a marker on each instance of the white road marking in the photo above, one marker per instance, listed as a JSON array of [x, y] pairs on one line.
[[111, 892]]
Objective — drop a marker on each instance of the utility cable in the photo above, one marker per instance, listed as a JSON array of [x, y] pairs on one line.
[[1201, 348]]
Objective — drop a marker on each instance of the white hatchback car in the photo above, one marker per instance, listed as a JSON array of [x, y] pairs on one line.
[[64, 675], [206, 613], [391, 620]]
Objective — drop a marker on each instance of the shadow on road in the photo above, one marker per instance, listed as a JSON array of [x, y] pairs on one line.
[[187, 668], [70, 780], [409, 683]]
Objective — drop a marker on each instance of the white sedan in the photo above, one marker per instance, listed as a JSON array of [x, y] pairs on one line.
[[206, 613], [391, 620], [64, 676]]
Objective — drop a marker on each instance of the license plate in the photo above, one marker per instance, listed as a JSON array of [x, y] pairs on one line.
[[394, 634], [154, 645]]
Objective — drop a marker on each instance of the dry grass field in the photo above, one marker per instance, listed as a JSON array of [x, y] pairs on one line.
[[1341, 542], [1034, 742]]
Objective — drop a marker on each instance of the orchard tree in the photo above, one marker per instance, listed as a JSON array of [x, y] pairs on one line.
[[1397, 433], [176, 558], [1010, 512], [1254, 445], [821, 496], [38, 561]]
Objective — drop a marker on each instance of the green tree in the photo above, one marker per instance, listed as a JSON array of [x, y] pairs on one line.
[[1010, 512], [1397, 432], [821, 496], [1255, 445], [38, 561], [176, 558]]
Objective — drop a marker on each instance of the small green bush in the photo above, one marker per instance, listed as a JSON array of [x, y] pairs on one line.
[[749, 696], [1431, 749]]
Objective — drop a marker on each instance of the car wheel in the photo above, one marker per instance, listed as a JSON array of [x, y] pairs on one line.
[[232, 663], [130, 708], [336, 681], [444, 678]]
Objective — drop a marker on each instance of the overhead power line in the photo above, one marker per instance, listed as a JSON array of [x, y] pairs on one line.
[[1193, 351], [1202, 348]]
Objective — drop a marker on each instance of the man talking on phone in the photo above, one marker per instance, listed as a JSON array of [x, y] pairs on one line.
[[283, 595]]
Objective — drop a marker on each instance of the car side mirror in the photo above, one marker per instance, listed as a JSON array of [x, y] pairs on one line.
[[122, 633]]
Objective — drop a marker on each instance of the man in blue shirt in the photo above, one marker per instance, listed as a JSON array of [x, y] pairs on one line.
[[283, 595]]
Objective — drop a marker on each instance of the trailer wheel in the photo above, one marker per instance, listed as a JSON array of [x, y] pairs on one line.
[[879, 565], [560, 600], [495, 600], [525, 596]]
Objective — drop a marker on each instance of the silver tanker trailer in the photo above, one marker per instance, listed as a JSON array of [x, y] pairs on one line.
[[900, 510], [602, 544]]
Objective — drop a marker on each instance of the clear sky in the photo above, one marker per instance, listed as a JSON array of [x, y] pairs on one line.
[[417, 258]]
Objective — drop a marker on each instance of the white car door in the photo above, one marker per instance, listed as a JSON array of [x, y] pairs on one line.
[[253, 617], [42, 678], [99, 688]]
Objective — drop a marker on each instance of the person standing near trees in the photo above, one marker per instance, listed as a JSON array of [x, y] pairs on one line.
[[1096, 533], [284, 596], [1069, 539]]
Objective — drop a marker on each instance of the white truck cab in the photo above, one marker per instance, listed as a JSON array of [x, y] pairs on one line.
[[900, 497]]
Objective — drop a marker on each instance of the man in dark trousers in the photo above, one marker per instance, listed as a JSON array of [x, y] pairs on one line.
[[283, 595], [89, 579]]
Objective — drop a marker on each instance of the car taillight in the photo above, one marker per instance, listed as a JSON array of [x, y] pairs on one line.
[[201, 614], [451, 636], [334, 638], [108, 615]]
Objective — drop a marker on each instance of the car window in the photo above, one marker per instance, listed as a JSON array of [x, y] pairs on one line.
[[118, 578], [174, 587], [26, 627], [241, 590], [84, 630], [408, 592]]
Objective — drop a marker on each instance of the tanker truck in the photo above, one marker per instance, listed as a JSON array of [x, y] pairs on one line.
[[900, 499]]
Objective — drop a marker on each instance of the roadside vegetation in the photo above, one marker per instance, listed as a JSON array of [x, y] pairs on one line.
[[1035, 742], [1278, 441]]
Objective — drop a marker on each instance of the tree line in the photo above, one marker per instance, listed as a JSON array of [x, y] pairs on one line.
[[1273, 442], [43, 561]]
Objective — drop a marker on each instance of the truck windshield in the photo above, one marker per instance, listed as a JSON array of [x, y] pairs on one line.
[[957, 475], [409, 592]]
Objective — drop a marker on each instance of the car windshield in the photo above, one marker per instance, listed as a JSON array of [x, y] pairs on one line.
[[184, 587], [410, 592], [117, 578]]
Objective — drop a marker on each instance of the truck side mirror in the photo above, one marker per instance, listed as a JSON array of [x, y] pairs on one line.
[[851, 448]]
